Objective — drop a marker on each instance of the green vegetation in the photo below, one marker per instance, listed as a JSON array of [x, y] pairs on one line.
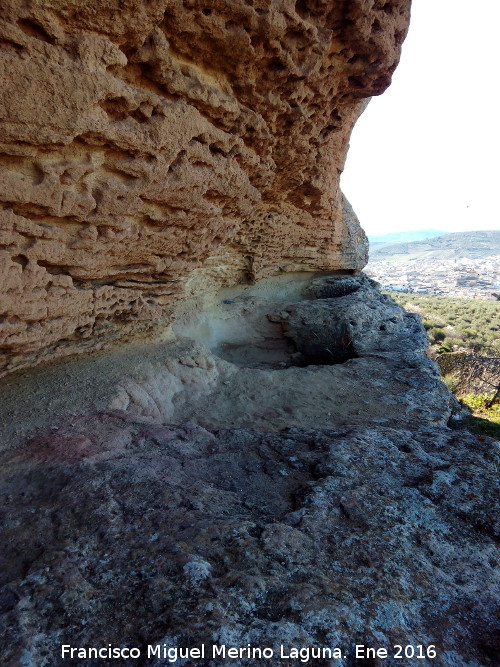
[[486, 418], [455, 324], [452, 382], [470, 327]]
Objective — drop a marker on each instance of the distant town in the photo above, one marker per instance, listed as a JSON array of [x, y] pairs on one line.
[[474, 278], [458, 264]]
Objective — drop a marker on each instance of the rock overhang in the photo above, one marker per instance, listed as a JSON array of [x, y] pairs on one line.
[[164, 140]]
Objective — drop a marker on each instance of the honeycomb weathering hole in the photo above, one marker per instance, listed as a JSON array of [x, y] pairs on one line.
[[238, 331], [327, 355], [247, 331]]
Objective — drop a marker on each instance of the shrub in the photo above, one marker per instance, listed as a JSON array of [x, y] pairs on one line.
[[451, 382], [471, 323], [437, 334]]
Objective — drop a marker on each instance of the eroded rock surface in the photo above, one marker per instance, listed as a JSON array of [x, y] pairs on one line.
[[277, 469], [133, 534], [353, 319], [144, 141], [265, 358], [203, 500]]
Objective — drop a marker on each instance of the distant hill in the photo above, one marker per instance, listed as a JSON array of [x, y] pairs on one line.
[[474, 245], [404, 237]]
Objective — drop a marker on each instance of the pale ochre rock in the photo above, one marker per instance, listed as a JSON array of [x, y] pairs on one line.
[[143, 141]]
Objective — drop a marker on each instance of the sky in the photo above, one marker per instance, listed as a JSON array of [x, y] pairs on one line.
[[426, 154]]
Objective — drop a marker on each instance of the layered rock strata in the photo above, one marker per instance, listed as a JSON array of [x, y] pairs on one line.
[[239, 492], [143, 141], [278, 469]]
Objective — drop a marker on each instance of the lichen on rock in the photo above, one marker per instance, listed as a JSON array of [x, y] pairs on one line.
[[275, 467], [126, 533]]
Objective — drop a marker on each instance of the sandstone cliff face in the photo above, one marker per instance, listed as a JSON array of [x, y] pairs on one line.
[[278, 471], [144, 141]]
